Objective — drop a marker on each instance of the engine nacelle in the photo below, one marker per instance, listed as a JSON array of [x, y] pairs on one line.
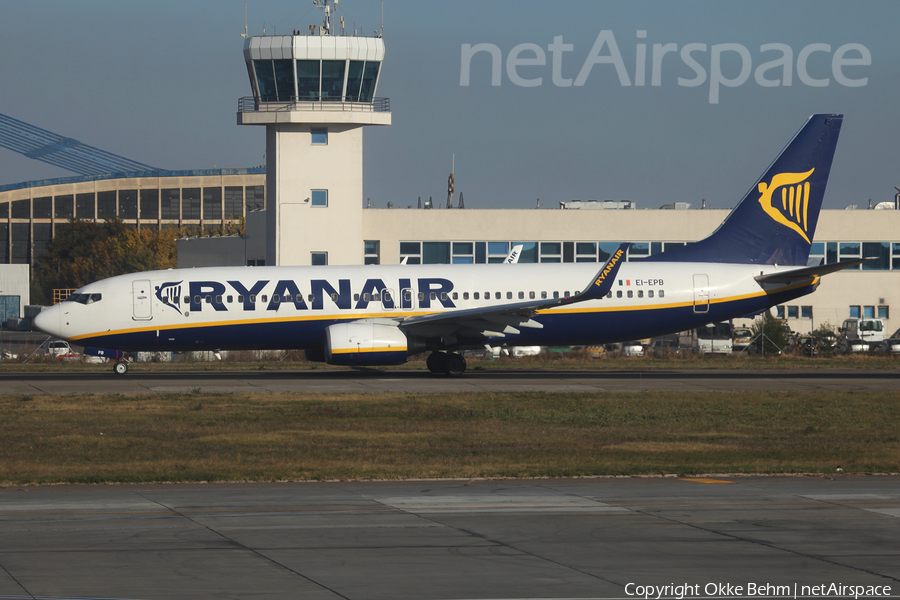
[[363, 343]]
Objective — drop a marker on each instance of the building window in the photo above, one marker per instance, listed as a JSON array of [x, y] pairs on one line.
[[779, 312], [435, 253], [234, 202], [883, 312], [171, 204], [881, 251], [638, 250], [854, 312], [212, 204], [128, 201], [372, 252], [149, 210], [64, 207], [793, 312], [806, 312], [84, 206], [319, 137], [586, 252], [319, 258], [868, 312], [529, 252], [605, 250], [256, 197], [412, 252], [106, 205], [551, 252], [497, 251], [42, 207], [849, 251], [463, 253], [319, 197], [190, 204]]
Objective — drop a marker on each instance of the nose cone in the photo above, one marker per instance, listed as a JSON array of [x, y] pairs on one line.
[[48, 321]]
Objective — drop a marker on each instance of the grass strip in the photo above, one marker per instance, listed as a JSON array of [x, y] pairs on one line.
[[100, 438]]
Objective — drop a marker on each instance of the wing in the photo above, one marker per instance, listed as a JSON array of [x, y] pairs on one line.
[[809, 272], [498, 321]]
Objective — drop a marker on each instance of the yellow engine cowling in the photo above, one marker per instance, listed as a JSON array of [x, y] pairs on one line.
[[363, 343]]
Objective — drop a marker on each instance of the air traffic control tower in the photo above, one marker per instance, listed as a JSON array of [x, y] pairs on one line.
[[314, 94]]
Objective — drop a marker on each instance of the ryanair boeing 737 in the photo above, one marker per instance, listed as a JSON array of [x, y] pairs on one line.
[[380, 315]]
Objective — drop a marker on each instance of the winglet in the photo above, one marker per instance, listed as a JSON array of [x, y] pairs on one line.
[[605, 277]]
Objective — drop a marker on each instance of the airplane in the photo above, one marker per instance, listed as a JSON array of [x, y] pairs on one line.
[[379, 315]]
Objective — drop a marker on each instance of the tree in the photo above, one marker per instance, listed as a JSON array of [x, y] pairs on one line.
[[777, 334], [83, 252]]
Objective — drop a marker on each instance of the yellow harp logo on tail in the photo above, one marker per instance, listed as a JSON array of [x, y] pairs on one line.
[[791, 205]]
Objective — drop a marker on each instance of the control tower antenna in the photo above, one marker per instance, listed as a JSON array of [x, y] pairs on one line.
[[326, 28], [245, 34]]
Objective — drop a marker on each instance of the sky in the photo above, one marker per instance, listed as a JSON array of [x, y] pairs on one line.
[[571, 118]]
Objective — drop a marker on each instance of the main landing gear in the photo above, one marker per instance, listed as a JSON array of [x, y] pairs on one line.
[[121, 367], [446, 363]]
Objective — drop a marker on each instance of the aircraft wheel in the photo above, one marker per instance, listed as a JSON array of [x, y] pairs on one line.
[[436, 362], [455, 365], [121, 367]]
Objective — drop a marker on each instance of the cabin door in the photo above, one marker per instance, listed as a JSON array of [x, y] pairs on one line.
[[701, 293], [142, 304]]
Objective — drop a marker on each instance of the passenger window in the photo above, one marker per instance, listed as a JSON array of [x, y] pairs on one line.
[[509, 295], [609, 295], [407, 296], [187, 299], [241, 299], [253, 298], [421, 296], [433, 295], [230, 299], [165, 300], [619, 294], [649, 293], [567, 294], [209, 299], [555, 295], [640, 293], [443, 295], [356, 297], [334, 298], [196, 299], [465, 295], [497, 296], [366, 297], [662, 293], [311, 298], [543, 295], [455, 296], [265, 298], [218, 299], [276, 298], [477, 296], [630, 294], [377, 297], [531, 295]]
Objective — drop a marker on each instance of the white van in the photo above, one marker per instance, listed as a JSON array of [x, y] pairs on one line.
[[862, 334]]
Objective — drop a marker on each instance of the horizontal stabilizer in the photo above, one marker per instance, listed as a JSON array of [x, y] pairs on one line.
[[809, 272]]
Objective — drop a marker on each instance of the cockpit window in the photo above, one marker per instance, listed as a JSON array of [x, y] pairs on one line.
[[85, 298]]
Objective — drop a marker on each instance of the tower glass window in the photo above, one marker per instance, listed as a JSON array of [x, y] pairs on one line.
[[307, 80], [265, 79], [354, 79], [284, 80], [370, 76], [256, 197], [333, 79], [234, 202]]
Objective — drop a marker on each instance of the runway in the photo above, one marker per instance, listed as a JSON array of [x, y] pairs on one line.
[[449, 539], [405, 381]]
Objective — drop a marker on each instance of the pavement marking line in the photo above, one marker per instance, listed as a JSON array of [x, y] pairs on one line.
[[707, 480]]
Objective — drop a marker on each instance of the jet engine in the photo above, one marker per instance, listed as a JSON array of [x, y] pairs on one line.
[[365, 343]]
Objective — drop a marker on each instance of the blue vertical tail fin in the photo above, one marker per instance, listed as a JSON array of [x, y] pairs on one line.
[[776, 220]]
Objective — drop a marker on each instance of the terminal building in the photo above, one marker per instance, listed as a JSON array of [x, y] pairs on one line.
[[315, 94]]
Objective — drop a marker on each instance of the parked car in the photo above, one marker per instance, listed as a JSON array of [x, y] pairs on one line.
[[742, 339], [633, 349], [890, 346]]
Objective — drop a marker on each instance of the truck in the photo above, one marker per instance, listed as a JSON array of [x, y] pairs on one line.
[[860, 335], [715, 338]]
